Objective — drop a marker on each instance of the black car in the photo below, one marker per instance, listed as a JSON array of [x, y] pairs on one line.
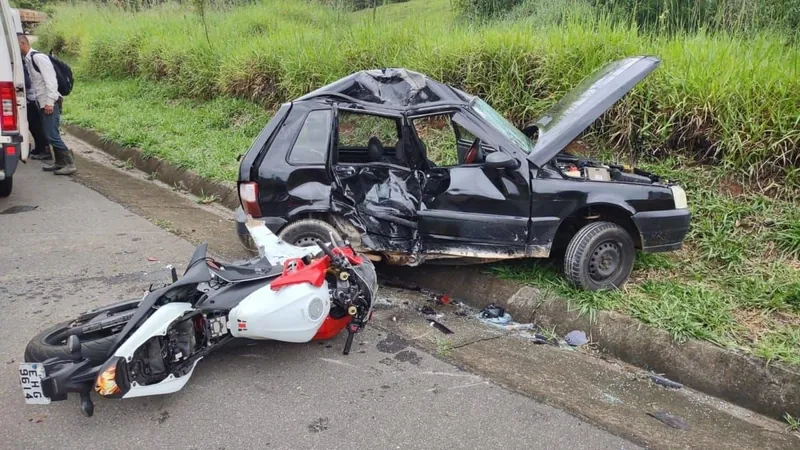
[[411, 170]]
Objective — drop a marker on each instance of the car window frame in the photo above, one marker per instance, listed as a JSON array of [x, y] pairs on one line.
[[334, 154], [300, 130], [467, 119]]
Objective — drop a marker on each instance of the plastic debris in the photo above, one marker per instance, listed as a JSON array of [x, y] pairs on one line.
[[667, 383], [439, 326], [670, 419], [536, 338], [428, 311], [152, 258], [492, 311], [576, 338]]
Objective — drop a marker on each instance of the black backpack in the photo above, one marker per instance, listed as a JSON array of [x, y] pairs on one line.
[[63, 73]]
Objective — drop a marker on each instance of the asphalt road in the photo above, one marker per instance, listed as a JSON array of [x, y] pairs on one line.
[[77, 250]]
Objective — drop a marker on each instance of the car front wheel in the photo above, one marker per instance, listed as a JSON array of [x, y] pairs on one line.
[[599, 256]]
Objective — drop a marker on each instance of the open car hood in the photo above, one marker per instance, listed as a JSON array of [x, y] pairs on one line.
[[564, 121]]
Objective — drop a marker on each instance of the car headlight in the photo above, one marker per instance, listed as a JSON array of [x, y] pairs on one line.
[[679, 195]]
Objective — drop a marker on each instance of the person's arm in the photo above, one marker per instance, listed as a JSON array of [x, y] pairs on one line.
[[50, 80]]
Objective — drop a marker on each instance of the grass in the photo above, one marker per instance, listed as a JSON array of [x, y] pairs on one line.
[[444, 347], [737, 281], [717, 96], [794, 423], [204, 136]]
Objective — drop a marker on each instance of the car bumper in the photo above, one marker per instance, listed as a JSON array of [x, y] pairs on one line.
[[273, 223], [9, 159], [662, 231]]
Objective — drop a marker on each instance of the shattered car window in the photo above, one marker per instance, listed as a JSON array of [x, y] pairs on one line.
[[436, 132], [365, 138], [502, 125], [311, 146]]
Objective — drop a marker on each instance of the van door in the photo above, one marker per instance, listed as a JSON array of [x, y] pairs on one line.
[[11, 60]]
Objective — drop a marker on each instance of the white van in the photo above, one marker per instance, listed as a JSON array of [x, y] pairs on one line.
[[14, 134]]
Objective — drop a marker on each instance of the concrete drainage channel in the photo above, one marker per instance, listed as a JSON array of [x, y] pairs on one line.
[[743, 380]]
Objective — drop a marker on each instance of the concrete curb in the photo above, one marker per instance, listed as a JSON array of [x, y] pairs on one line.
[[771, 390], [165, 172], [741, 379]]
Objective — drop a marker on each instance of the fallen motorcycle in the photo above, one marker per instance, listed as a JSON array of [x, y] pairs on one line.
[[151, 346]]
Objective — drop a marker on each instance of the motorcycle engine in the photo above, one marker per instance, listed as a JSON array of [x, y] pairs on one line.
[[182, 340]]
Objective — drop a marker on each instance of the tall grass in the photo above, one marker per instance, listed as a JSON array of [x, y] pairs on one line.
[[716, 97]]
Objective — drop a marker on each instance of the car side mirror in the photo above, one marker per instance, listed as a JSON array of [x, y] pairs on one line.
[[500, 160]]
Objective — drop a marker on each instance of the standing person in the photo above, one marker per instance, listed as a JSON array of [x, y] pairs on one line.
[[40, 152], [45, 84]]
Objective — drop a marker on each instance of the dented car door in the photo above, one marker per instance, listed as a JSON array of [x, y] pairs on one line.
[[377, 193], [474, 209]]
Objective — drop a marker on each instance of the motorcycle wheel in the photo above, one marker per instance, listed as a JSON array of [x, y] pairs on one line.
[[52, 342]]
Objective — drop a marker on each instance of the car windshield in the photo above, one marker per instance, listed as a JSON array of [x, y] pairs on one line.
[[502, 125]]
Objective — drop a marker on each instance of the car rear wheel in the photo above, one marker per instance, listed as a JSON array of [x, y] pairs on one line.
[[599, 256], [308, 232], [6, 186]]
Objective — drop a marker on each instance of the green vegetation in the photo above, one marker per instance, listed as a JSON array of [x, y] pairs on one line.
[[154, 81], [204, 136]]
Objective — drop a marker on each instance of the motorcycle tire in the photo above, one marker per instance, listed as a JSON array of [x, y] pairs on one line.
[[51, 343]]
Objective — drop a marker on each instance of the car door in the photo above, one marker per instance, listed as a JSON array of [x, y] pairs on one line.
[[376, 190], [468, 208]]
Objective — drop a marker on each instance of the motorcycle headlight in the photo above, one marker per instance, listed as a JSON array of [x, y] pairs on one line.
[[112, 381], [679, 195]]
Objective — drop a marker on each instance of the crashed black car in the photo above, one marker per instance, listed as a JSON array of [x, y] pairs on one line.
[[410, 170]]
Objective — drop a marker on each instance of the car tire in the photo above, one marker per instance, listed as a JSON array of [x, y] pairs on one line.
[[6, 186], [599, 256], [307, 232]]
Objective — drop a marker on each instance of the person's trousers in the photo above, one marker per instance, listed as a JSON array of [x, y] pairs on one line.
[[50, 123], [36, 126]]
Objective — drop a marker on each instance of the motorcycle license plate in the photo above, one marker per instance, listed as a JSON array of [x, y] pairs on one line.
[[30, 378]]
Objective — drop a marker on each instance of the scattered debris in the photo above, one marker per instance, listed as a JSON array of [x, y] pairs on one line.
[[439, 326], [537, 338], [608, 398], [670, 419], [152, 259], [667, 383], [492, 311], [501, 321], [427, 310], [576, 338]]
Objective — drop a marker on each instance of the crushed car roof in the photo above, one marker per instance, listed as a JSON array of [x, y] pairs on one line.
[[393, 88]]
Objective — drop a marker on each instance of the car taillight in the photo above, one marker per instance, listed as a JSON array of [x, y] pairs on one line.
[[8, 110], [248, 196]]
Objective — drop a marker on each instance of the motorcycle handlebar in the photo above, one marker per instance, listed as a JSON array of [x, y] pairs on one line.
[[327, 251]]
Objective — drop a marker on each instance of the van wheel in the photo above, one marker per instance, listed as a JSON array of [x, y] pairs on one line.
[[599, 256], [5, 186], [308, 232]]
